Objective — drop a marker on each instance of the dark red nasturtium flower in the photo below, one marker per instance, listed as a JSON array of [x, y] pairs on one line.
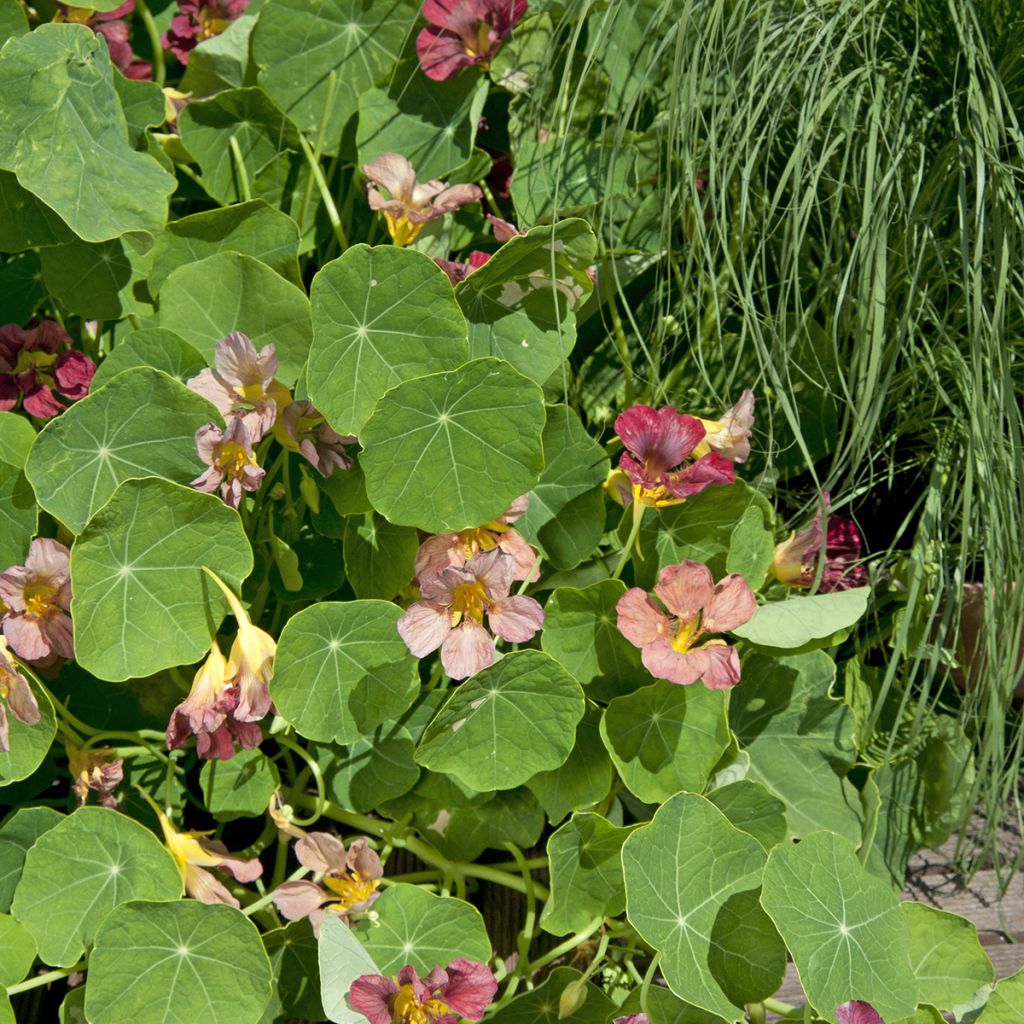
[[197, 20], [116, 30], [856, 1011], [796, 558], [463, 32], [35, 362]]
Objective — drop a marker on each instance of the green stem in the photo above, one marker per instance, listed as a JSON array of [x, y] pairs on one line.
[[332, 82], [268, 897], [648, 979], [318, 778], [44, 979], [77, 724], [159, 67], [325, 193], [781, 1009], [243, 175], [565, 947], [627, 548]]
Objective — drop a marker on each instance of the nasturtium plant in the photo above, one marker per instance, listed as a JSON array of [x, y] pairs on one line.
[[417, 598]]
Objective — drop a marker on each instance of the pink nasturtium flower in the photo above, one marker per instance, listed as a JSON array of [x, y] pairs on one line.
[[37, 596], [462, 989], [796, 558], [856, 1011], [14, 689], [300, 428], [462, 33], [448, 550], [458, 271], [349, 880], [35, 362], [231, 460], [696, 607], [411, 204], [115, 30], [451, 614], [730, 434], [632, 1018], [209, 713], [197, 20], [658, 442]]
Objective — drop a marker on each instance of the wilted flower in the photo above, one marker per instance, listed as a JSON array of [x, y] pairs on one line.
[[197, 20], [856, 1011], [455, 549], [251, 663], [300, 428], [229, 454], [38, 596], [193, 853], [464, 32], [350, 880], [633, 1018], [96, 769], [115, 30], [658, 441], [462, 989], [35, 361], [697, 606], [504, 231], [452, 612], [411, 204], [14, 689], [796, 558], [730, 435], [242, 382], [209, 713], [457, 271]]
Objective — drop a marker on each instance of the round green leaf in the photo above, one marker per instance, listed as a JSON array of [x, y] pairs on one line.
[[20, 831], [241, 787], [155, 347], [142, 424], [27, 222], [154, 963], [843, 927], [83, 867], [691, 891], [142, 602], [379, 557], [370, 771], [293, 957], [586, 873], [17, 950], [946, 956], [204, 301], [19, 515], [665, 1008], [57, 83], [511, 816], [29, 744], [752, 809], [541, 1004], [505, 724], [664, 738], [342, 960], [16, 437], [381, 315], [453, 450], [785, 625], [1006, 1004], [342, 669], [413, 926]]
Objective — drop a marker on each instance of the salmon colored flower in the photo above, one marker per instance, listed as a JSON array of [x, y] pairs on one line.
[[35, 362], [95, 769], [193, 852], [14, 689], [116, 31], [209, 713], [198, 20], [38, 596], [411, 204], [730, 434], [349, 880], [457, 271], [231, 460], [796, 558], [696, 607], [633, 1018], [658, 442], [300, 428], [856, 1011], [452, 613], [453, 550], [462, 989], [462, 33]]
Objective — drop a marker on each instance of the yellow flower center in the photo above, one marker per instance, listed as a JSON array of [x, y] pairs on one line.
[[34, 359], [233, 458], [76, 15], [469, 599], [211, 23], [408, 1009], [351, 888], [655, 497], [39, 599], [401, 229], [482, 43], [686, 632]]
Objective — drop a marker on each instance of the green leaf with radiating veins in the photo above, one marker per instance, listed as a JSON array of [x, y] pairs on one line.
[[62, 132], [752, 809], [586, 873], [13, 20], [241, 787], [155, 347], [521, 304], [946, 956], [17, 950], [17, 436], [541, 1005], [342, 670], [413, 926], [342, 960], [19, 515], [372, 770], [142, 602], [453, 450], [381, 315], [204, 301], [27, 222], [692, 882], [142, 424], [1006, 1004], [784, 625], [29, 744], [844, 927], [325, 51], [379, 556], [18, 834], [293, 952], [664, 738], [663, 1007], [505, 724], [157, 963], [78, 871]]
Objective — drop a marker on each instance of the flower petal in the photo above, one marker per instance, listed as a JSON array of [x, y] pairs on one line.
[[856, 1011], [708, 469], [660, 438], [515, 619], [722, 670], [469, 989], [467, 649], [732, 604], [320, 851], [202, 886], [640, 620], [393, 172], [424, 627], [685, 588], [371, 995], [299, 899], [665, 663]]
